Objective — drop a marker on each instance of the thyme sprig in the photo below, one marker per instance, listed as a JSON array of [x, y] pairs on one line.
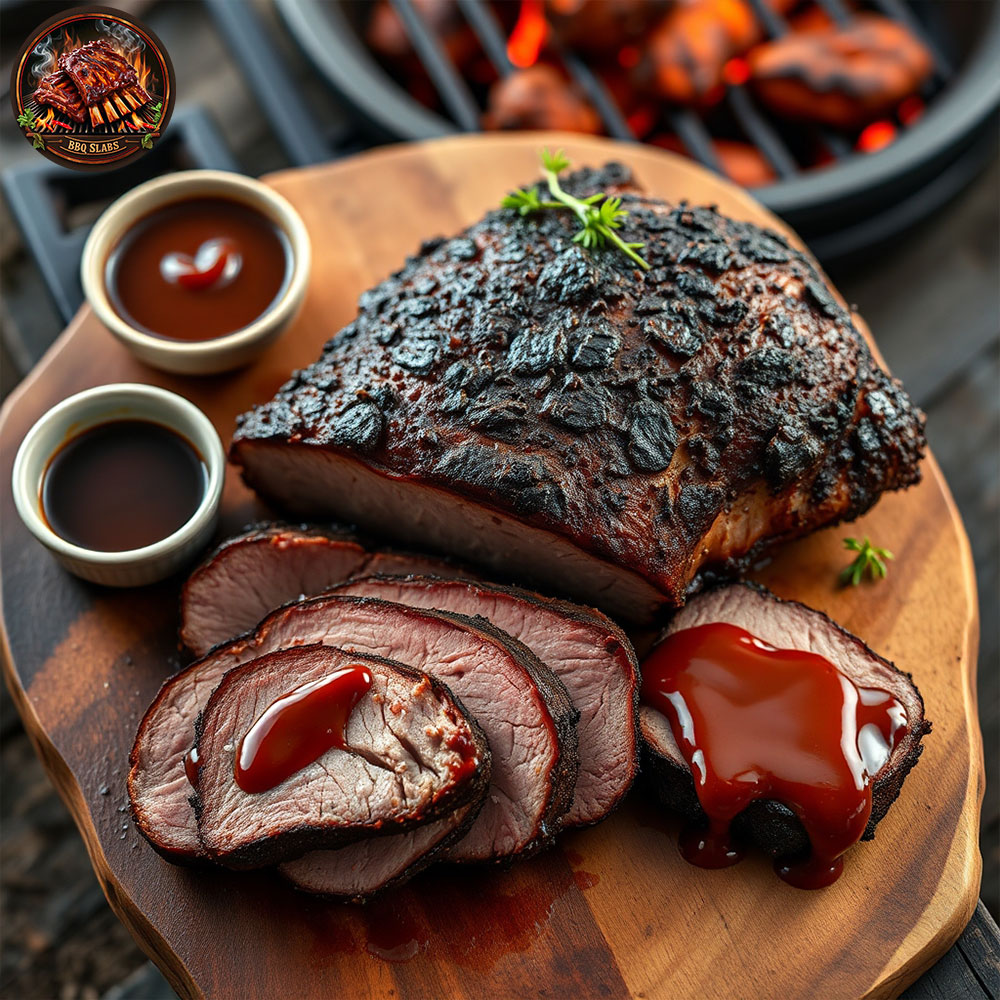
[[870, 560], [599, 215]]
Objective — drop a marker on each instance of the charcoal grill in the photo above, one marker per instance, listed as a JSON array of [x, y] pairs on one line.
[[855, 201]]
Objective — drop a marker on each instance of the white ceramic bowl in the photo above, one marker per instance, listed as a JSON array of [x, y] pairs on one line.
[[202, 357], [123, 401]]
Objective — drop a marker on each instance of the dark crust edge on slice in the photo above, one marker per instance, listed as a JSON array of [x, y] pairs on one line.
[[579, 613], [298, 840], [420, 863], [770, 824]]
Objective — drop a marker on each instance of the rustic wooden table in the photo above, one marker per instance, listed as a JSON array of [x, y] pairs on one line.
[[933, 303]]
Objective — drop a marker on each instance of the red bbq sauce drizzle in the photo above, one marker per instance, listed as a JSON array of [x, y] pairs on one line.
[[298, 728], [754, 722]]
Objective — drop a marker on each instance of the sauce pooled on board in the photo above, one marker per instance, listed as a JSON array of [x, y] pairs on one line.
[[754, 722]]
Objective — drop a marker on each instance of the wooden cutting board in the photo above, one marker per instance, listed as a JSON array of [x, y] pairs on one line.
[[612, 911]]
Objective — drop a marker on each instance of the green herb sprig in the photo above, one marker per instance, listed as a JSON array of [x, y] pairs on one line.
[[154, 113], [599, 216], [26, 119], [870, 560]]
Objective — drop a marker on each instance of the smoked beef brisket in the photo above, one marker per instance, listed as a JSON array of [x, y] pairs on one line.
[[522, 707], [562, 416], [585, 650]]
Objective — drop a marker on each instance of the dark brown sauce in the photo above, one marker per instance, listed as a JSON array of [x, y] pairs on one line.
[[298, 728], [755, 722], [198, 269], [122, 485]]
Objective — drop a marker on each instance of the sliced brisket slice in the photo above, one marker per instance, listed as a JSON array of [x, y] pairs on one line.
[[97, 70], [370, 866], [583, 648], [250, 575], [522, 706], [413, 755], [58, 91], [784, 625]]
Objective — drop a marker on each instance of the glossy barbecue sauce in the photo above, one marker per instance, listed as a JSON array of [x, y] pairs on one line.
[[298, 728], [755, 722], [198, 269], [122, 485]]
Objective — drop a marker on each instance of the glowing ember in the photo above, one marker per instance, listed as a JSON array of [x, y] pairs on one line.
[[528, 36], [642, 120], [628, 56], [876, 136], [910, 110], [736, 72]]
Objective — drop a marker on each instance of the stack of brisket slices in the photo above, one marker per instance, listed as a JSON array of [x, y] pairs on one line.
[[541, 692], [544, 692], [92, 82]]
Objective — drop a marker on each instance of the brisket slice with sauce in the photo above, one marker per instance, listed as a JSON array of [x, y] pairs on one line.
[[573, 422], [413, 755], [266, 566], [59, 91], [784, 625], [522, 706], [583, 648]]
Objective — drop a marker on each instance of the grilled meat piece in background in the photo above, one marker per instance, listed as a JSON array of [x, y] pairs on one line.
[[564, 417], [688, 50], [598, 26], [844, 77], [540, 97]]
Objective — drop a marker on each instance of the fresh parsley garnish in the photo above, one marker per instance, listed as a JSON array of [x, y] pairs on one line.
[[599, 216], [26, 119], [870, 560]]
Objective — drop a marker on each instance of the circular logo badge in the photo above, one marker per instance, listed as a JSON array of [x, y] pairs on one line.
[[92, 88]]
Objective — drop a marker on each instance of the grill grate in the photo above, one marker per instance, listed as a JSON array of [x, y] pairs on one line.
[[694, 134]]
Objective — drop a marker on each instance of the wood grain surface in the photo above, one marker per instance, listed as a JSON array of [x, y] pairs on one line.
[[612, 911]]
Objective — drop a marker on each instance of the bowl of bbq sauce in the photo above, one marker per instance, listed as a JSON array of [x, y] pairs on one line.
[[197, 272], [122, 483]]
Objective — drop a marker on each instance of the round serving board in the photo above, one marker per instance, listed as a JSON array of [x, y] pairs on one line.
[[612, 911]]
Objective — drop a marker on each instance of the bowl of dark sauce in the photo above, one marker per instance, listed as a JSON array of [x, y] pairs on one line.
[[199, 271], [122, 483]]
